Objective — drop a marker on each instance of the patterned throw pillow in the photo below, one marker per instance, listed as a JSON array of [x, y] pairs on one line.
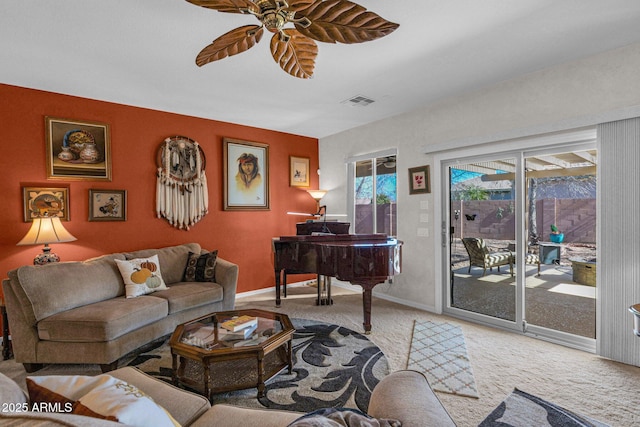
[[141, 276], [102, 396], [201, 268]]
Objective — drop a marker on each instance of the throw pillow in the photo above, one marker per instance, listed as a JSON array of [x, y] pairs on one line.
[[341, 417], [201, 268], [102, 396], [141, 276]]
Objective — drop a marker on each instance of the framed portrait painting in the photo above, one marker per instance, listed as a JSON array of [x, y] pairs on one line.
[[45, 201], [419, 181], [298, 171], [77, 150], [107, 205], [246, 175]]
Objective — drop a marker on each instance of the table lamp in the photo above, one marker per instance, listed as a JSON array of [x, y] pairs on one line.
[[45, 230]]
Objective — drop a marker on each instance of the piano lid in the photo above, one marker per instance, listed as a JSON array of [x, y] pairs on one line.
[[336, 238]]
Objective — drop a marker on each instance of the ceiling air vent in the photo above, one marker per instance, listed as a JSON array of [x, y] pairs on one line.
[[358, 101]]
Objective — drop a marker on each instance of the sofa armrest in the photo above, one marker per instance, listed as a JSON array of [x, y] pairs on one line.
[[235, 416], [22, 321], [406, 396], [227, 276], [183, 405]]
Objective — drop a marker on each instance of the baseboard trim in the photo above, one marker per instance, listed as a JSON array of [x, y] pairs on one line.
[[348, 286], [272, 289]]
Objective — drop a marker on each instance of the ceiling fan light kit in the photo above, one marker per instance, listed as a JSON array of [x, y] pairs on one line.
[[294, 49]]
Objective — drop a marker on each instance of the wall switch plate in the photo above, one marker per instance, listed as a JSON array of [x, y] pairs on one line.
[[424, 204], [424, 217], [423, 232]]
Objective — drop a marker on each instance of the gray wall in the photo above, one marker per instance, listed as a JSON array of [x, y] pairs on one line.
[[570, 95]]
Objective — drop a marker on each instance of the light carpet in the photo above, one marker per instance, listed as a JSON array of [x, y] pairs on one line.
[[334, 366], [439, 351], [501, 360]]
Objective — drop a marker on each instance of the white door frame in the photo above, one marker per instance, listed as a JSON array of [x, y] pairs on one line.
[[519, 149]]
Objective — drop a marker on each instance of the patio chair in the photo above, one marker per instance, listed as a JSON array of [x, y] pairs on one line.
[[479, 255], [533, 259]]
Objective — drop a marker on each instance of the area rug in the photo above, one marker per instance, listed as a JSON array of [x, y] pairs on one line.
[[333, 367], [521, 409], [439, 351]]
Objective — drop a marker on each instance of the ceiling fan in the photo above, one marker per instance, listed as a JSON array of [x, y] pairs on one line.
[[294, 49]]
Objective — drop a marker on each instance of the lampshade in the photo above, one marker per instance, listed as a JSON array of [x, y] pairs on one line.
[[317, 194], [43, 231]]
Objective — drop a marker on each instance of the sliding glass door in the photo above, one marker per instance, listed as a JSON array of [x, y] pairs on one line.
[[482, 238], [519, 240], [560, 292]]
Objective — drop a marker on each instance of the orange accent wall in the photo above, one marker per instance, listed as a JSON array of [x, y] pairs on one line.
[[243, 237]]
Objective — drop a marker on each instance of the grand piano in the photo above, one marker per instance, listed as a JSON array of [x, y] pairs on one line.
[[361, 259]]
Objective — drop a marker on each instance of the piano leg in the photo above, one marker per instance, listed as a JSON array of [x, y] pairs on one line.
[[366, 309], [284, 282], [278, 288], [324, 290]]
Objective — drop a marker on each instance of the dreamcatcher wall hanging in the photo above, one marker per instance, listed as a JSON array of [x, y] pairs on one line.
[[181, 191]]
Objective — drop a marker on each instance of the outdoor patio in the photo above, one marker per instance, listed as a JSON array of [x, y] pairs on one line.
[[553, 299]]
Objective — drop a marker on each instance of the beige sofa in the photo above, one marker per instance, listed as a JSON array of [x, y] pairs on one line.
[[77, 312], [403, 395]]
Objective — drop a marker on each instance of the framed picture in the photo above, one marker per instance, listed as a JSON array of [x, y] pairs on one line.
[[419, 181], [107, 205], [246, 175], [298, 171], [41, 201], [77, 150]]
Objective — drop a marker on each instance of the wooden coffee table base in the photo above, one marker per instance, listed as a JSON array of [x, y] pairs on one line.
[[228, 375], [216, 365]]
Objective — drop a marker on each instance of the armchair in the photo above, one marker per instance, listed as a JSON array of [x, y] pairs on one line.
[[479, 255]]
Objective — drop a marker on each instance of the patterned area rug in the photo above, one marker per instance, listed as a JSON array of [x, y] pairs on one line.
[[438, 350], [523, 409], [333, 367]]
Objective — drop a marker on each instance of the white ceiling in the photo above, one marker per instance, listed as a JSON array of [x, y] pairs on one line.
[[142, 53]]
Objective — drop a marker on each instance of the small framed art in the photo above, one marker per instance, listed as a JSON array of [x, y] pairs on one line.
[[419, 181], [107, 205], [246, 175], [77, 150], [45, 201], [298, 171]]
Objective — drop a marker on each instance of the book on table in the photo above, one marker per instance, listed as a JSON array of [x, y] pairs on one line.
[[242, 334], [237, 323]]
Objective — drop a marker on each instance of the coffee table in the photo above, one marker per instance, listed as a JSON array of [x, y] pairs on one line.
[[203, 360]]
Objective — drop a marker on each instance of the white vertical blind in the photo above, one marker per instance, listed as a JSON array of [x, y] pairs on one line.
[[618, 277]]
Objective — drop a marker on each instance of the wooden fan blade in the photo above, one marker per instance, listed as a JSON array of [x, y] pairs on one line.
[[296, 5], [344, 22], [229, 44], [296, 56], [229, 6]]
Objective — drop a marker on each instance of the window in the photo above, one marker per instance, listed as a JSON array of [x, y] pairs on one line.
[[375, 195]]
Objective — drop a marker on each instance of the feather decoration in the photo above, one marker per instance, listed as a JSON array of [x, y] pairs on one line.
[[181, 189]]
